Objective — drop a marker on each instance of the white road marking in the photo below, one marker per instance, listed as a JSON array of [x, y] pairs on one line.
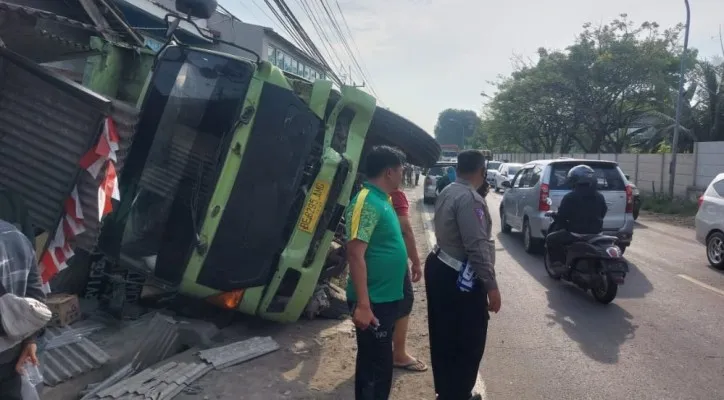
[[701, 284], [430, 233]]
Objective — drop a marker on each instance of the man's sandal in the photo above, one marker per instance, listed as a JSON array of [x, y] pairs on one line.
[[414, 366]]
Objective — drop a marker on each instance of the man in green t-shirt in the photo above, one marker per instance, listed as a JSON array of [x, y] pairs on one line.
[[377, 259]]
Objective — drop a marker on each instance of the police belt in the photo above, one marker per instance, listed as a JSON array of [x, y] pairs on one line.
[[447, 259]]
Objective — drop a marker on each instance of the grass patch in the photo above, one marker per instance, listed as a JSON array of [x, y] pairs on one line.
[[663, 204]]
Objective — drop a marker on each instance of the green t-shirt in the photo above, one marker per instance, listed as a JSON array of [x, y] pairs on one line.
[[371, 218]]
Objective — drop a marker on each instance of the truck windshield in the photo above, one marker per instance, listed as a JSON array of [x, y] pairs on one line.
[[193, 103]]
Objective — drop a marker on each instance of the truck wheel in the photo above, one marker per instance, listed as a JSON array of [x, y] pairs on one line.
[[338, 307], [391, 129]]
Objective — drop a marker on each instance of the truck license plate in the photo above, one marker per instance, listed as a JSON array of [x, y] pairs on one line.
[[314, 207]]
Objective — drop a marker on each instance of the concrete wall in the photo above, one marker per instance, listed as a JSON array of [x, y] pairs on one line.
[[710, 161], [650, 172]]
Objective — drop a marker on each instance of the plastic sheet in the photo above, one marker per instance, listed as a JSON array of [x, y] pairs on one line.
[[30, 380]]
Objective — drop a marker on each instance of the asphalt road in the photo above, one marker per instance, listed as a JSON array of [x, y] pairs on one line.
[[662, 338]]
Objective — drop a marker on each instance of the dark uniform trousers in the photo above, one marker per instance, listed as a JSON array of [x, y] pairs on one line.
[[373, 379], [458, 325]]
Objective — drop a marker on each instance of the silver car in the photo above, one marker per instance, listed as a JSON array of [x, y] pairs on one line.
[[709, 222], [525, 203], [430, 183], [506, 172], [492, 171]]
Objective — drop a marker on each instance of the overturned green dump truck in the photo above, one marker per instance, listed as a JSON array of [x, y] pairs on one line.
[[234, 184], [238, 177]]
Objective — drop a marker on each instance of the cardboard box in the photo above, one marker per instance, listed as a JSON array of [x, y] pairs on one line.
[[65, 309], [40, 241]]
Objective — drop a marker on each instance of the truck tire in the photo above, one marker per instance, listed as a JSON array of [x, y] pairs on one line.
[[338, 307], [394, 130]]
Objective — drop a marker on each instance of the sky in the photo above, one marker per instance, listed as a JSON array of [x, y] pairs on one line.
[[423, 56]]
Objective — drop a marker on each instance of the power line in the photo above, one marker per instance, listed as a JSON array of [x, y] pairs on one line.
[[354, 43], [347, 46], [331, 53], [299, 29], [292, 32], [273, 22], [343, 41]]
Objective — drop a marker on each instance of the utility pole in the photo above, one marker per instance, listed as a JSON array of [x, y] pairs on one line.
[[675, 142]]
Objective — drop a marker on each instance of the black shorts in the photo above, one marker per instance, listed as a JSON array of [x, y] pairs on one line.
[[408, 297]]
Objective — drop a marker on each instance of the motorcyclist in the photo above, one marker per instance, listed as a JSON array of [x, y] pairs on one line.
[[581, 211], [447, 179]]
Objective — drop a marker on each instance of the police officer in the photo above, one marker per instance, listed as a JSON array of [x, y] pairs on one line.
[[458, 303]]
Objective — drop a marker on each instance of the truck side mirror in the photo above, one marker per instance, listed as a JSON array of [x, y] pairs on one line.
[[203, 9]]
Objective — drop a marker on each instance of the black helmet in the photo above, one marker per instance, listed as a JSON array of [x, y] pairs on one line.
[[581, 175]]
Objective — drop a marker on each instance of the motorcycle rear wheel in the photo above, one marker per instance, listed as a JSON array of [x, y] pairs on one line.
[[606, 293]]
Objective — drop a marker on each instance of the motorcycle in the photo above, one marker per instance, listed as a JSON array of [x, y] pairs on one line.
[[594, 262]]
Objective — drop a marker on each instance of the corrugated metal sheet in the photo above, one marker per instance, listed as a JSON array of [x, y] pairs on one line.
[[239, 352], [126, 117], [160, 342], [63, 363], [24, 11], [47, 124], [42, 35], [164, 382]]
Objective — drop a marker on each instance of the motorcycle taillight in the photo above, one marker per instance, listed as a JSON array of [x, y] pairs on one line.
[[613, 252], [629, 199]]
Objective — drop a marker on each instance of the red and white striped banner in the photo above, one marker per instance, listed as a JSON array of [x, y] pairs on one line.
[[59, 251]]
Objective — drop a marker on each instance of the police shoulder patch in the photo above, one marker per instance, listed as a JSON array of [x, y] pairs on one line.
[[481, 214]]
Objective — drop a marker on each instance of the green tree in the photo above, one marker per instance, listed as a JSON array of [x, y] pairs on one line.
[[592, 96], [530, 111], [459, 127]]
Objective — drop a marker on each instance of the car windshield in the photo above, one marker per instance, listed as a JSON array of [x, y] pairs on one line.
[[438, 170], [608, 176], [193, 102], [493, 165]]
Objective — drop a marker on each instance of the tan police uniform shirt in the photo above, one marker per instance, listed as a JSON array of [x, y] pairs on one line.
[[463, 229]]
